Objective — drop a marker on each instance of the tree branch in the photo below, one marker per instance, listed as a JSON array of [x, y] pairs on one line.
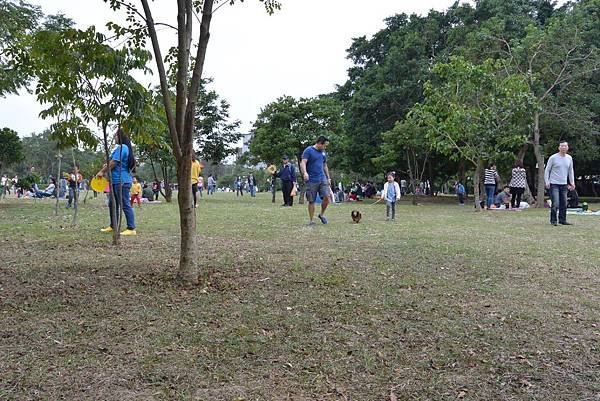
[[164, 86]]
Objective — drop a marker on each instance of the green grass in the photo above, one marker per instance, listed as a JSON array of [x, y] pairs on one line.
[[445, 303]]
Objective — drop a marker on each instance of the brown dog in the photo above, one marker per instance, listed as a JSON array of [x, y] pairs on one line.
[[356, 216]]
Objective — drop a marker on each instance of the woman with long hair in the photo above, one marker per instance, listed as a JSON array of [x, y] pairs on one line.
[[491, 177], [121, 166]]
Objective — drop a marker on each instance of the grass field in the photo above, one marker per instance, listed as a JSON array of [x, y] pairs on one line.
[[443, 304]]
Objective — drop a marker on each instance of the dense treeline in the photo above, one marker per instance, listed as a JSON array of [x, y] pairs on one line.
[[541, 59]]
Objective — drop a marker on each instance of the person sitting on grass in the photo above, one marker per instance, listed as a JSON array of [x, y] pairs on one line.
[[49, 191], [147, 193], [503, 198]]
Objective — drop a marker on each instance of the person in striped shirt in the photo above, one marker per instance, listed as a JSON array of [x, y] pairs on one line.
[[517, 184], [490, 178]]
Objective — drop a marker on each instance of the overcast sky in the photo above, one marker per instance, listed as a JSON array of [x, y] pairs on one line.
[[252, 57]]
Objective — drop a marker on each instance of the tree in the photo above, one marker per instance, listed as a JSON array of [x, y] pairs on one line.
[[406, 147], [85, 80], [215, 134], [11, 148], [288, 126], [181, 115], [475, 112], [559, 60], [18, 20]]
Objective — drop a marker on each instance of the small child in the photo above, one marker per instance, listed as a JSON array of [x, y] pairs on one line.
[[391, 194], [136, 190]]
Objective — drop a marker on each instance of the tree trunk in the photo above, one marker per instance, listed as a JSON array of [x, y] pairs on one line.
[[300, 181], [168, 193], [116, 233], [76, 194], [187, 273], [476, 184], [537, 150], [57, 189]]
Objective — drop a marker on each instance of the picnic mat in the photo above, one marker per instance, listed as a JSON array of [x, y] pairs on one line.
[[582, 213]]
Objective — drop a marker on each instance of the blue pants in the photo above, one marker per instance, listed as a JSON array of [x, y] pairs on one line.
[[252, 191], [558, 194], [489, 194], [121, 197]]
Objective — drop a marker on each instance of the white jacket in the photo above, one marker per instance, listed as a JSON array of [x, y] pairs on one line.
[[385, 189]]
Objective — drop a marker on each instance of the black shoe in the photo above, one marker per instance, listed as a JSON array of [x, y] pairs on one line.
[[554, 224], [564, 223]]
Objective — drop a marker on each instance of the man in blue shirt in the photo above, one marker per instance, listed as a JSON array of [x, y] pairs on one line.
[[287, 174], [316, 175]]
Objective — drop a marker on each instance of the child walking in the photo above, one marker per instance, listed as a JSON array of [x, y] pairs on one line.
[[391, 194], [136, 190]]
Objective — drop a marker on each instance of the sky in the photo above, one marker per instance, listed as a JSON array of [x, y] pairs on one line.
[[252, 57]]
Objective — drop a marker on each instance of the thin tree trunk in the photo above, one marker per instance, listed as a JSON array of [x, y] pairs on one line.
[[57, 184], [476, 184], [300, 181], [115, 234], [187, 273], [75, 194], [537, 150]]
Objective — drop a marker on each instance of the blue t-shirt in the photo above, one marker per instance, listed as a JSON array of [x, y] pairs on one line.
[[391, 193], [120, 173], [315, 160], [460, 189]]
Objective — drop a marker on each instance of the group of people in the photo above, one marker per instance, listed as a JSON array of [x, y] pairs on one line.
[[559, 180]]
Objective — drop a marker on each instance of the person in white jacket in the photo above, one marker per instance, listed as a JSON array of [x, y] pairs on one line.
[[391, 194]]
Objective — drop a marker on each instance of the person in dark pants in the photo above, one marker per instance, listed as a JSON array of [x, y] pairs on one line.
[[517, 184], [287, 175], [560, 177]]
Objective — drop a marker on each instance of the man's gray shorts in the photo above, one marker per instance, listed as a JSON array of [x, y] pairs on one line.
[[314, 188]]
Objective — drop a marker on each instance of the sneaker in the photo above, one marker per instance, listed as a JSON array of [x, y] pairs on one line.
[[323, 219], [554, 224], [107, 230], [387, 219], [311, 223], [565, 224], [129, 232]]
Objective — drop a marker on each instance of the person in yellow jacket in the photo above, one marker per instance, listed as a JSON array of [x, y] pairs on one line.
[[136, 191], [196, 171]]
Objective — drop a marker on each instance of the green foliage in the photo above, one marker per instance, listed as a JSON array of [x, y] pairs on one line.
[[288, 126], [18, 20], [11, 148], [475, 112], [215, 134], [84, 80]]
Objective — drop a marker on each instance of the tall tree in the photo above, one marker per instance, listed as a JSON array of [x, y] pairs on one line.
[[216, 135], [560, 60], [11, 148], [475, 112], [181, 115], [18, 20]]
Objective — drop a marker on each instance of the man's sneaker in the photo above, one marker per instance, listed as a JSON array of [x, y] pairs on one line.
[[107, 230], [554, 224], [565, 224], [129, 232], [311, 223], [323, 219], [387, 219]]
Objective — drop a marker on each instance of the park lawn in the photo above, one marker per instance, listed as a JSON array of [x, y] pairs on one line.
[[443, 304]]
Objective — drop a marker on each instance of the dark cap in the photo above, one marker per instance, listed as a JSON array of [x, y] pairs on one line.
[[285, 157]]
